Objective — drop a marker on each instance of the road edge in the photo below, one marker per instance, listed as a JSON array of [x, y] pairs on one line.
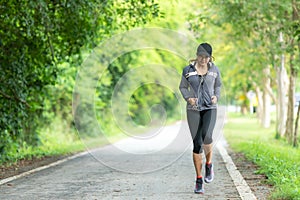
[[9, 179], [241, 185]]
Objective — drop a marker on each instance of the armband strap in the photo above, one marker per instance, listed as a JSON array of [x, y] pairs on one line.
[[190, 74]]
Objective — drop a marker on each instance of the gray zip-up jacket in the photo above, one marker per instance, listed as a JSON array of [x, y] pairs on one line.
[[203, 87]]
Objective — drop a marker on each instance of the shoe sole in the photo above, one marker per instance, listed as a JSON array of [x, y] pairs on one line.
[[208, 181], [199, 192]]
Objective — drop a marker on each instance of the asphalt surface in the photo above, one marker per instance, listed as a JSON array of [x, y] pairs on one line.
[[156, 166]]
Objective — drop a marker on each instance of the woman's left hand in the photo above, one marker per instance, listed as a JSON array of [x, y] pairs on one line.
[[214, 99]]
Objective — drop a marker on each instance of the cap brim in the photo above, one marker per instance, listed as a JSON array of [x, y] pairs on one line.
[[202, 53]]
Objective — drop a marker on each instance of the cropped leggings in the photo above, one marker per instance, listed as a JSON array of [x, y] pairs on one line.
[[201, 125]]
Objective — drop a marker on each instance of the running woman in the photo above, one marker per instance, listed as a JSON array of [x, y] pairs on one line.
[[200, 86]]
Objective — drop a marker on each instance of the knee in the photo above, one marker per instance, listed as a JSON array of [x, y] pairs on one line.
[[208, 140], [197, 149]]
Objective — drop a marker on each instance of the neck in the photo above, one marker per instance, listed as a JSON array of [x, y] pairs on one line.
[[202, 66], [201, 69]]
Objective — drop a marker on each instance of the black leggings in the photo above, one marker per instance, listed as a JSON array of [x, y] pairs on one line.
[[201, 124]]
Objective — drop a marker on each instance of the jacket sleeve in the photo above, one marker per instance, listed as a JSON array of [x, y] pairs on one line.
[[185, 89], [218, 84]]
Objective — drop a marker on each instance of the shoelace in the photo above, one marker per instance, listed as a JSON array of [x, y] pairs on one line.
[[199, 186]]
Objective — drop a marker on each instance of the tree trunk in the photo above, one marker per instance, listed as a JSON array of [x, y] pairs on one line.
[[296, 17], [281, 106], [295, 142], [293, 75], [266, 114], [291, 103], [259, 103]]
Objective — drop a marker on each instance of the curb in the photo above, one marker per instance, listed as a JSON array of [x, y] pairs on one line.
[[238, 180], [6, 180]]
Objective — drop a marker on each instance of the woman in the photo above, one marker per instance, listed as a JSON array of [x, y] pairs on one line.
[[200, 86]]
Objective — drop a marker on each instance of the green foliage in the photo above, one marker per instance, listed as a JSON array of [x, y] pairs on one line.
[[250, 30], [275, 158], [142, 105], [8, 147], [280, 165], [57, 139], [150, 95], [41, 44]]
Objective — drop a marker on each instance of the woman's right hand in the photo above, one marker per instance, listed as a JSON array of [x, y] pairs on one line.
[[192, 101]]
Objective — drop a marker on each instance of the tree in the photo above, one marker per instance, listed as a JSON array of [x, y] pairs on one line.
[[293, 32], [35, 38], [261, 23], [242, 65]]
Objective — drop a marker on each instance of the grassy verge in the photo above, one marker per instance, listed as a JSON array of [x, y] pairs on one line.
[[276, 159]]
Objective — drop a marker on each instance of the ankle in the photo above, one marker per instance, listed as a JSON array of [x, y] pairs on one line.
[[199, 179]]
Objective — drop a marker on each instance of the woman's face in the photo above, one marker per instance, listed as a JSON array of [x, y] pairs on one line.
[[202, 59]]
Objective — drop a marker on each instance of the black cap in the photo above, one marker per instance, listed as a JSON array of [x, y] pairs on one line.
[[204, 49]]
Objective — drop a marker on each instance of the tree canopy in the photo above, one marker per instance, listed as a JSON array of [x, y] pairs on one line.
[[36, 38]]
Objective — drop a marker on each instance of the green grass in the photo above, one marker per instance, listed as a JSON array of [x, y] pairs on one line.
[[55, 140], [279, 161]]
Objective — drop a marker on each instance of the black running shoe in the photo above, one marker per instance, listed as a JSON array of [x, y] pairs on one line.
[[199, 189], [209, 173]]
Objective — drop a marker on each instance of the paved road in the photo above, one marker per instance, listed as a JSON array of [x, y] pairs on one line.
[[158, 166]]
